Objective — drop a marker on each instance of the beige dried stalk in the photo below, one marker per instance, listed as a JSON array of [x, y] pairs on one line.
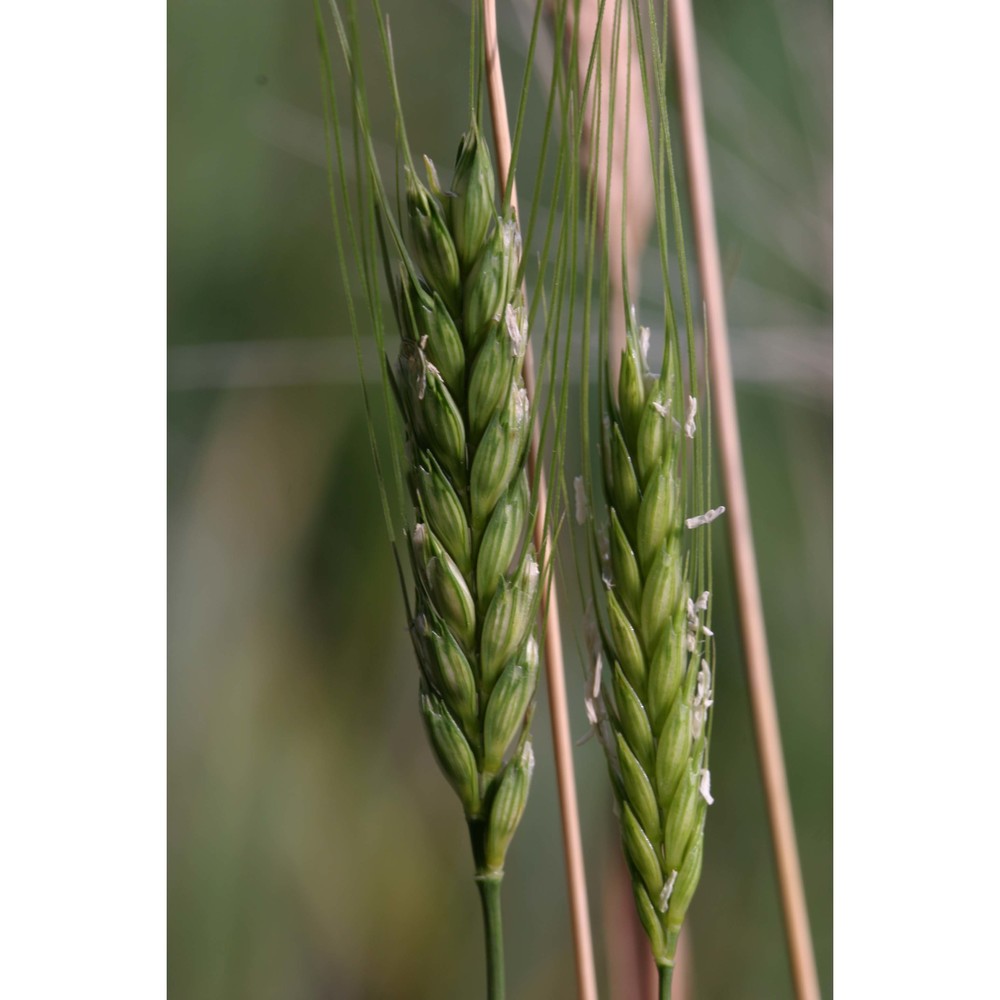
[[749, 603]]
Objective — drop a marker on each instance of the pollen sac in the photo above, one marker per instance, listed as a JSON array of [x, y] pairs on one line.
[[508, 806], [432, 243], [472, 205], [452, 750], [487, 288], [508, 702]]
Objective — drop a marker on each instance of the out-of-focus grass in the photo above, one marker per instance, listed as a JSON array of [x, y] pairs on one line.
[[314, 849]]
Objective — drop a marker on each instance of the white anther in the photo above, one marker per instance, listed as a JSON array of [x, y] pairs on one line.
[[522, 407], [702, 603], [419, 533], [667, 891], [663, 409], [644, 337], [533, 570], [707, 518], [689, 425], [697, 721], [516, 243], [702, 695], [705, 785], [598, 667], [588, 703], [528, 758], [707, 631], [607, 581], [515, 331], [581, 500]]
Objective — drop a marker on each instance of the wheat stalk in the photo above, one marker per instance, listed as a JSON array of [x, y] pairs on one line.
[[748, 597]]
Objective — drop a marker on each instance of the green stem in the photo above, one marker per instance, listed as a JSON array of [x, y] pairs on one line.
[[666, 976], [489, 893]]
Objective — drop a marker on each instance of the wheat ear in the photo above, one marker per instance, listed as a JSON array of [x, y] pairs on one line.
[[459, 378], [651, 710]]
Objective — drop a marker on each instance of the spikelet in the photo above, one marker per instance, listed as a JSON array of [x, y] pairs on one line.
[[460, 387], [650, 711]]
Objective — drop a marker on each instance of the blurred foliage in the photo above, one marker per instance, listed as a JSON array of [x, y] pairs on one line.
[[314, 851]]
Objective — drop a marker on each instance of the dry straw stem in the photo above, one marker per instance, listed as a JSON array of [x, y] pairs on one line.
[[751, 613], [628, 167], [562, 743]]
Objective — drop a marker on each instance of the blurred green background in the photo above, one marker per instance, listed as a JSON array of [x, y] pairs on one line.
[[314, 850]]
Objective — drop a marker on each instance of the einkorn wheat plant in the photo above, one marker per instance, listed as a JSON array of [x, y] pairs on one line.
[[467, 414], [452, 270], [651, 645]]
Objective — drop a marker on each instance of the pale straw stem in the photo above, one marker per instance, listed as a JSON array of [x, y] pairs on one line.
[[750, 609]]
